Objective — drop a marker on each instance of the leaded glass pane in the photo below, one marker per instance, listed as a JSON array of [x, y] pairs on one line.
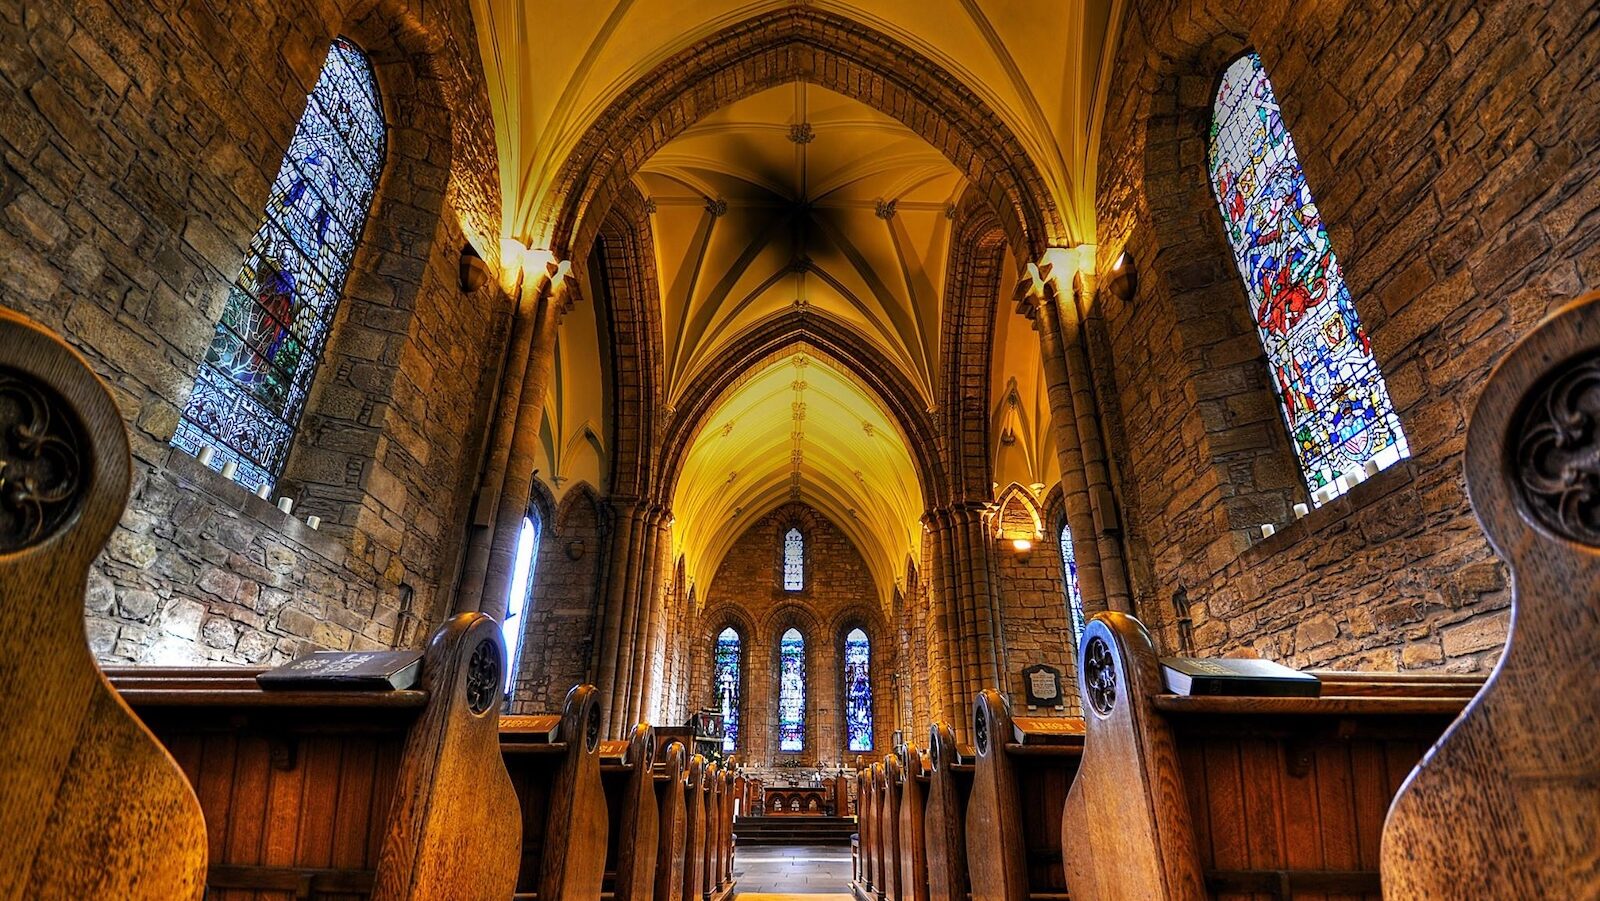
[[1332, 393], [257, 372], [792, 692], [858, 690], [794, 561], [727, 666], [517, 597], [1069, 578]]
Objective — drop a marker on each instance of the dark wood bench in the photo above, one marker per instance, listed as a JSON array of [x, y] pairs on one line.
[[1023, 769], [671, 786], [91, 804], [346, 794], [627, 774], [1238, 797], [554, 763]]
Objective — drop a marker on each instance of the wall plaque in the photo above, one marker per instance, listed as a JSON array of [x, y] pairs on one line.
[[1042, 683]]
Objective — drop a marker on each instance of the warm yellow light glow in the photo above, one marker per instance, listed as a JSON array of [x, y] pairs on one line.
[[513, 256], [1021, 545]]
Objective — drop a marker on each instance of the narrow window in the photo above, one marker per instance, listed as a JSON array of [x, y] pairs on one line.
[[858, 690], [1069, 583], [252, 384], [794, 561], [792, 692], [517, 599], [1330, 389], [728, 665]]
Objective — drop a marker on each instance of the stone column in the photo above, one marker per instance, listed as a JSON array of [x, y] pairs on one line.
[[614, 607], [1064, 420]]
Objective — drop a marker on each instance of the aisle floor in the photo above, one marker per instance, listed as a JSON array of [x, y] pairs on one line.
[[792, 871]]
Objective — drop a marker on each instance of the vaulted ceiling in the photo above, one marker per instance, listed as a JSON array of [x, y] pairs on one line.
[[797, 197]]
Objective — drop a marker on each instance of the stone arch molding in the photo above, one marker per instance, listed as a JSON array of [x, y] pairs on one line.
[[799, 43]]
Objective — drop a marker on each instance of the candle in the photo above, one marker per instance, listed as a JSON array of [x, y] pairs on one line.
[[286, 504], [1268, 530], [264, 492], [315, 522], [1370, 468], [230, 469], [1300, 510], [207, 454], [1354, 477]]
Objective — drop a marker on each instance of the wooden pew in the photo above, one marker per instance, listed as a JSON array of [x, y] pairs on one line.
[[91, 805], [1507, 804], [886, 778], [627, 774], [673, 828], [346, 794], [1236, 797], [694, 867], [913, 857], [866, 882], [555, 765], [1023, 769], [944, 822]]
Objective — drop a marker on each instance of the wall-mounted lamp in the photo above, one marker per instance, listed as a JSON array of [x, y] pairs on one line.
[[474, 271], [1124, 281], [1021, 545]]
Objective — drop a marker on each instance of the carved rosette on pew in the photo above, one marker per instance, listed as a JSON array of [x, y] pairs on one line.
[[1507, 804], [91, 805], [1121, 807]]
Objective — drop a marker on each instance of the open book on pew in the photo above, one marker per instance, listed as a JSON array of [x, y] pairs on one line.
[[1239, 677], [345, 671]]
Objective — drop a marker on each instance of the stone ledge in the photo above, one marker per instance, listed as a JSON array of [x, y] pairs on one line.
[[226, 493], [1328, 516]]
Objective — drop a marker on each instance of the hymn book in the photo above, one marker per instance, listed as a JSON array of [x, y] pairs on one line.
[[346, 671], [1194, 676]]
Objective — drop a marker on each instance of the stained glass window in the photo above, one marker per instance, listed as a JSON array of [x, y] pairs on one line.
[[728, 663], [1332, 394], [1069, 581], [517, 597], [792, 692], [252, 385], [858, 690], [794, 561]]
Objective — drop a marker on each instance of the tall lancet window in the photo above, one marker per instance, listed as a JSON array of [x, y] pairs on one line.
[[794, 560], [791, 691], [252, 384], [521, 590], [858, 690], [1332, 394], [1069, 582], [728, 665]]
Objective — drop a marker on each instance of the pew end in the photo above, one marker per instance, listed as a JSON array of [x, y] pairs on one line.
[[91, 804], [1507, 803], [554, 762]]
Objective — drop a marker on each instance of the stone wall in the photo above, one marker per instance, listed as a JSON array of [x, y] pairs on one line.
[[1034, 604], [1451, 150], [560, 618], [138, 142], [839, 595]]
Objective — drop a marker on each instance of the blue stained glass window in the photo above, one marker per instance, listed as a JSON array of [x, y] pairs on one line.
[[1069, 581], [1332, 394], [727, 665], [858, 690], [252, 384], [517, 597], [792, 692], [794, 561]]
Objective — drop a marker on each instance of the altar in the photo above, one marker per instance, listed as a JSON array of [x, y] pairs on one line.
[[797, 800]]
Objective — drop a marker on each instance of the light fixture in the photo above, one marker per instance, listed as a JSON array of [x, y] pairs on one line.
[[474, 271], [1021, 545], [1124, 277]]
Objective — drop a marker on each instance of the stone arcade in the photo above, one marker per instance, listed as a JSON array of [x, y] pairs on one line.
[[767, 448]]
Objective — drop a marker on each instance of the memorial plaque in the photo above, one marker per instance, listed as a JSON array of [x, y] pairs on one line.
[[1042, 682]]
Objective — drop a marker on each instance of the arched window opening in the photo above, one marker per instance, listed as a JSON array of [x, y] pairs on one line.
[[1069, 582], [728, 665], [858, 690], [1331, 392], [521, 591], [794, 560], [792, 692], [251, 386]]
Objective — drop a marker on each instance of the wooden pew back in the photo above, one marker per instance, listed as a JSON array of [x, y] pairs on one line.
[[634, 817], [350, 795], [1234, 797], [913, 858], [949, 787], [91, 805], [672, 824], [555, 766], [1507, 804]]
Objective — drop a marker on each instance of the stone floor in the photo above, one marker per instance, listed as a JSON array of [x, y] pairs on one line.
[[792, 871]]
